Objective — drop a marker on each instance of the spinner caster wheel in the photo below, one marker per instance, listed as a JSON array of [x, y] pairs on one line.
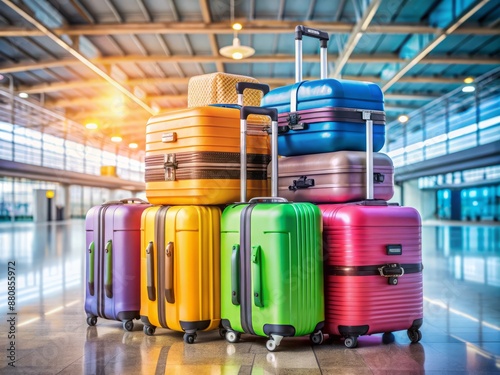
[[128, 325], [414, 335], [92, 320], [189, 338], [232, 336], [388, 338], [271, 345], [351, 342], [317, 338], [222, 332], [149, 330]]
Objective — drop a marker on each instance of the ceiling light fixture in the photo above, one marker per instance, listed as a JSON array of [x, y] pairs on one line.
[[468, 80], [236, 51], [23, 95], [116, 139], [91, 125], [133, 145], [468, 88], [403, 119]]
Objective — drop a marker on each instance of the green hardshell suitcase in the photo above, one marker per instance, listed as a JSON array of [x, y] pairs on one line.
[[271, 262]]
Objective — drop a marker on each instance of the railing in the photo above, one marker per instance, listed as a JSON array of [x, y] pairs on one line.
[[34, 135], [457, 121]]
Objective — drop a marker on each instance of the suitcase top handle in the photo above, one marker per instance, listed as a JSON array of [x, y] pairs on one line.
[[242, 86], [313, 33], [125, 201], [323, 39], [273, 114], [249, 110]]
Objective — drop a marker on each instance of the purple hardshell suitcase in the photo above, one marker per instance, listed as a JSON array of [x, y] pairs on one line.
[[334, 177], [113, 238]]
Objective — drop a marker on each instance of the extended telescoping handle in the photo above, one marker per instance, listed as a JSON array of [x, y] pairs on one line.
[[273, 114], [323, 38], [369, 154], [242, 86]]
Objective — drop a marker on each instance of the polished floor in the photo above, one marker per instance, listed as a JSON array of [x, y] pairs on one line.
[[461, 331]]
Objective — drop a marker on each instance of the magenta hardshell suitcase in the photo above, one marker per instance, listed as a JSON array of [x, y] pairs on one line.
[[113, 238], [373, 266], [334, 177]]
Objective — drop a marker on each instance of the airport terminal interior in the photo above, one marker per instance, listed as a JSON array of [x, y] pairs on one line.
[[79, 81]]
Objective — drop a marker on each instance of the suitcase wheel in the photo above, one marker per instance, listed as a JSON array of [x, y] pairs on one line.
[[232, 336], [149, 330], [414, 335], [351, 342], [222, 332], [128, 325], [317, 338], [189, 338], [92, 320], [388, 338], [273, 342]]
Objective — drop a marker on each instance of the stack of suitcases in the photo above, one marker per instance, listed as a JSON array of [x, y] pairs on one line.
[[316, 249], [329, 130]]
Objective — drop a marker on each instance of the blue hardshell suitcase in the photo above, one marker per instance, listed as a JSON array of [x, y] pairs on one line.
[[302, 136]]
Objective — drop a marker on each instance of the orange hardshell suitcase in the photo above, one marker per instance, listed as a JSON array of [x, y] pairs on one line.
[[180, 269], [193, 155], [218, 88]]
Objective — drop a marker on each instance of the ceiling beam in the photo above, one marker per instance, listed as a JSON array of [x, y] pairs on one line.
[[355, 36], [61, 43], [251, 27], [274, 82], [434, 43], [214, 46], [387, 58]]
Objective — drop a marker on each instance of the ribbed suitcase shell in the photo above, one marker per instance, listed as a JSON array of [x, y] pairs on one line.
[[358, 235], [291, 268], [327, 136], [194, 236], [219, 88], [115, 228], [335, 177], [203, 130]]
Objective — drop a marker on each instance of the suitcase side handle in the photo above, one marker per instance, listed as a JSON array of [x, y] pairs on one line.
[[323, 37], [169, 272], [108, 282], [302, 183], [256, 276], [90, 276], [273, 114], [150, 271], [242, 86], [235, 275]]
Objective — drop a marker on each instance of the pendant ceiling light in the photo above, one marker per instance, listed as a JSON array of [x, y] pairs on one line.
[[236, 50]]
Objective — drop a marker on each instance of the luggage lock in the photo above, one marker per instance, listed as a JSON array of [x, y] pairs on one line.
[[391, 271], [170, 166], [294, 122]]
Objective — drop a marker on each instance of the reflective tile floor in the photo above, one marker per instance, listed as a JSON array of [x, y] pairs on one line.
[[49, 334]]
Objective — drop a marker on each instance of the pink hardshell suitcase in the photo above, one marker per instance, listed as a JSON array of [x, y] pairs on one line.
[[334, 177], [373, 267], [113, 238]]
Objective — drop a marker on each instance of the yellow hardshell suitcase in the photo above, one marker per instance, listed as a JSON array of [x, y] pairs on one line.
[[218, 88], [180, 269], [193, 155]]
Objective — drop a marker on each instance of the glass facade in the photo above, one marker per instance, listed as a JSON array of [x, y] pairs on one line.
[[471, 204]]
